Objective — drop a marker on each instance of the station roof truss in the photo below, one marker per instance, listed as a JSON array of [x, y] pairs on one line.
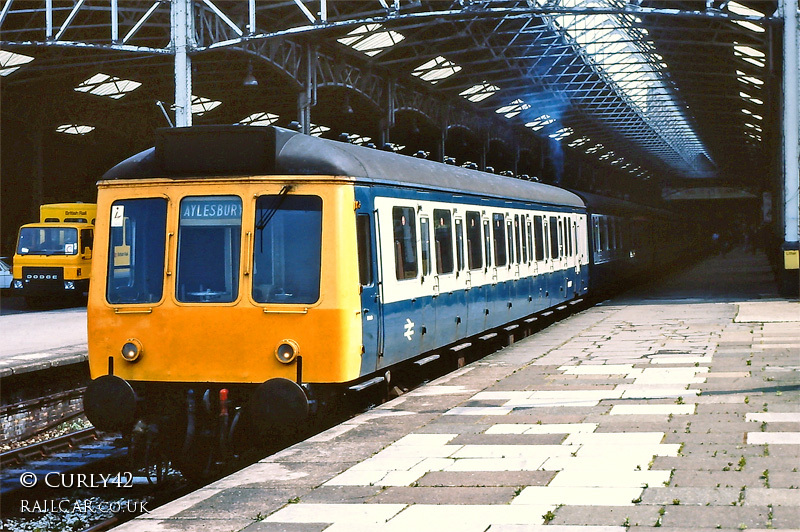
[[654, 87]]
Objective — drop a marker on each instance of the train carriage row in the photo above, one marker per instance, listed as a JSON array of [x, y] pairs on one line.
[[303, 262]]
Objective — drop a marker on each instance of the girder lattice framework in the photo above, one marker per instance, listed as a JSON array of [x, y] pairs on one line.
[[555, 66]]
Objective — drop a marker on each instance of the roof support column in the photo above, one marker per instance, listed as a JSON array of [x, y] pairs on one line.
[[308, 98], [182, 30], [791, 147]]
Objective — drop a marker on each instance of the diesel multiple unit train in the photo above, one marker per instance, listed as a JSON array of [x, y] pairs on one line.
[[243, 273]]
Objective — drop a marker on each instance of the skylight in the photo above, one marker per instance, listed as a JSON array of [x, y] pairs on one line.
[[751, 98], [562, 133], [739, 9], [10, 62], [513, 109], [752, 80], [371, 39], [620, 52], [110, 86], [259, 119], [201, 105], [749, 54], [317, 131], [436, 69], [75, 129], [479, 92], [540, 122], [355, 138], [595, 148], [580, 141]]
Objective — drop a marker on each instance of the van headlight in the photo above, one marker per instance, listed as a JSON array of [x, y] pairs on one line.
[[132, 350], [287, 351]]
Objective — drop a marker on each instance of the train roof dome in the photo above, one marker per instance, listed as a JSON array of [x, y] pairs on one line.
[[249, 150]]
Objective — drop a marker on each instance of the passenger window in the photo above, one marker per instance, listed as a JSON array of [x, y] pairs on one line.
[[474, 257], [538, 229], [209, 238], [405, 242], [443, 235], [425, 239], [487, 243], [459, 244], [517, 237], [364, 241], [287, 249], [554, 237], [603, 234], [499, 235]]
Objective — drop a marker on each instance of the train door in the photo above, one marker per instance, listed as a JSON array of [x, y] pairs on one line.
[[477, 269], [369, 253], [425, 307]]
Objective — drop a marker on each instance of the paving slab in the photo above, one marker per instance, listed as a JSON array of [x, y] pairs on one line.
[[668, 408]]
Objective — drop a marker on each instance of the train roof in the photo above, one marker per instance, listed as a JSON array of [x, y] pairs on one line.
[[615, 206], [248, 150]]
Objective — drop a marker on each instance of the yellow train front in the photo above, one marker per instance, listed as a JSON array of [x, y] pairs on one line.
[[200, 307]]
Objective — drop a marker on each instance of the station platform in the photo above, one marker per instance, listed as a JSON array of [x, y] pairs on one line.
[[674, 407]]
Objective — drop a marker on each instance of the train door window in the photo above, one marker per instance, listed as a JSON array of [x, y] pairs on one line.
[[538, 229], [405, 242], [612, 233], [530, 239], [425, 240], [510, 238], [523, 240], [603, 234], [209, 237], [136, 244], [459, 244], [363, 238], [596, 233], [554, 237], [474, 257], [287, 249], [499, 237], [487, 243], [443, 235], [517, 239]]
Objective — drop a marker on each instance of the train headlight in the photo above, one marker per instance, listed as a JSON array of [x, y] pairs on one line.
[[17, 284], [132, 350], [69, 285], [287, 351]]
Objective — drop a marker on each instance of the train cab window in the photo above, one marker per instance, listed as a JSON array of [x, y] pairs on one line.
[[405, 242], [459, 244], [499, 237], [523, 227], [474, 257], [517, 237], [87, 241], [364, 243], [487, 243], [136, 247], [287, 249], [209, 238], [443, 235], [538, 231], [554, 237], [425, 240]]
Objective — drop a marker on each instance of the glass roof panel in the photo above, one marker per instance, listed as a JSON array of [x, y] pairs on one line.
[[540, 122], [436, 70], [110, 86], [259, 119], [479, 92], [371, 39], [10, 62], [201, 105], [75, 129], [620, 52], [513, 109]]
